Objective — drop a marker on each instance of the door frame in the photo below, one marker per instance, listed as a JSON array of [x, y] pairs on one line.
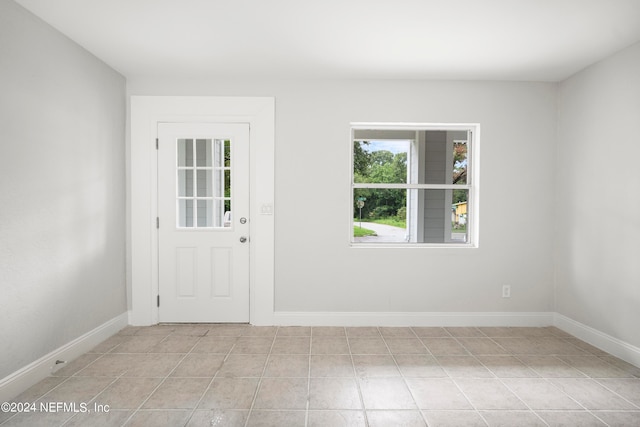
[[146, 113]]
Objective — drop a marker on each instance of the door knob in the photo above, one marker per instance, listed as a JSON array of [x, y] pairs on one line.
[[243, 239], [243, 220]]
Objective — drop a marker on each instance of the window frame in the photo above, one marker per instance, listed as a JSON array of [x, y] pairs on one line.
[[473, 181]]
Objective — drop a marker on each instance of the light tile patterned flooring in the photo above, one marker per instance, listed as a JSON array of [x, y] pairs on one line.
[[240, 375]]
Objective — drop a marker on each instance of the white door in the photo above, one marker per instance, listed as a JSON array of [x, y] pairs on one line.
[[203, 210]]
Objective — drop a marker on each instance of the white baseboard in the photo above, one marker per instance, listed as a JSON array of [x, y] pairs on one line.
[[284, 318], [614, 346], [17, 382]]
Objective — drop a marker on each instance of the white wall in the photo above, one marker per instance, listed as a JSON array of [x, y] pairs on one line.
[[598, 197], [62, 190], [316, 270]]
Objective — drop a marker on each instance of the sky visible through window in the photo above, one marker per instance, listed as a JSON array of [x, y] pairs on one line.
[[396, 146]]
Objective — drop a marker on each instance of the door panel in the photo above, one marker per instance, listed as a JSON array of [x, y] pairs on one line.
[[203, 207]]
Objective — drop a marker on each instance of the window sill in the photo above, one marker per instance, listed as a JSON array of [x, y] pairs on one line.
[[447, 246]]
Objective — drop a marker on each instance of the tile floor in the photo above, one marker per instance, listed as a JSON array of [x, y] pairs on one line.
[[240, 375]]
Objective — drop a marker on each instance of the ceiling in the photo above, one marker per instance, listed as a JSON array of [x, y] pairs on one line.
[[539, 40]]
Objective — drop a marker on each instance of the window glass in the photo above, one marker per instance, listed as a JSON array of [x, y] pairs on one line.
[[185, 183], [412, 185], [203, 152], [203, 195], [185, 152], [380, 161]]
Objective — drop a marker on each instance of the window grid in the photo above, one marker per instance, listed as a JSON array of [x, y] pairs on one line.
[[203, 172]]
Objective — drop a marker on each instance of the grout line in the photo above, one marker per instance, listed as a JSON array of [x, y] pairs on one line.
[[402, 376], [215, 375], [306, 415], [259, 385], [357, 380], [637, 407]]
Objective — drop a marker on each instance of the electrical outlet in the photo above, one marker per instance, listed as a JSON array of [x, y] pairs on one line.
[[506, 291]]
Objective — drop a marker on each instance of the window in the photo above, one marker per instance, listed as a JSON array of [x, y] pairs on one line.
[[415, 184], [204, 183]]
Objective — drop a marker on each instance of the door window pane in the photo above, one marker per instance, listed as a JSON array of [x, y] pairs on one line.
[[227, 183], [223, 183], [222, 216], [203, 152], [219, 149], [227, 153], [185, 213], [185, 183], [205, 184], [185, 152], [205, 213]]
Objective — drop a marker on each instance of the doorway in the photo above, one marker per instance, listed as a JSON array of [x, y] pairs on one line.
[[147, 112]]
